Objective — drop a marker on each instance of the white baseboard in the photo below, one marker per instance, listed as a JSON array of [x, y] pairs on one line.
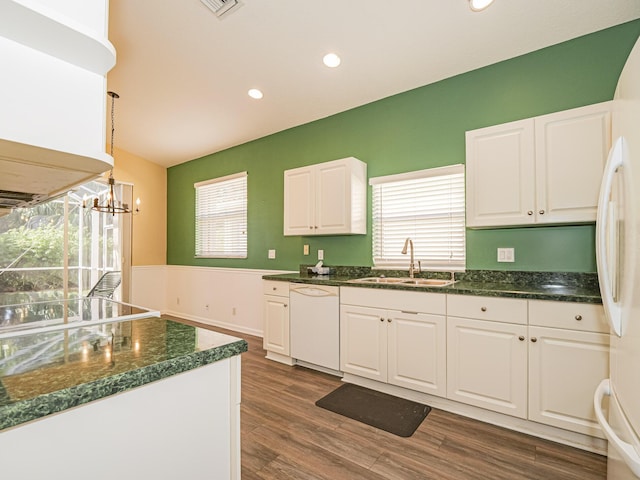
[[319, 368], [277, 357]]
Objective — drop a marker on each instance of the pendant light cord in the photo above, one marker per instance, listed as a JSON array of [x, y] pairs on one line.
[[113, 96]]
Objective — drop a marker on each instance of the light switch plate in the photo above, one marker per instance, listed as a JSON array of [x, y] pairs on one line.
[[506, 255], [320, 254], [305, 250], [272, 254]]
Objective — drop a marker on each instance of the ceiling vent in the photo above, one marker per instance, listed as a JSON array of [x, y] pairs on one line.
[[222, 7]]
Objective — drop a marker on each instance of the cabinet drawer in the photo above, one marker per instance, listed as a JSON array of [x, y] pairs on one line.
[[586, 317], [509, 310], [273, 287]]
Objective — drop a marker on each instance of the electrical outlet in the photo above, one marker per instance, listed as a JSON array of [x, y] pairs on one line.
[[320, 254], [272, 254], [305, 250], [177, 300], [233, 311], [206, 307], [506, 255]]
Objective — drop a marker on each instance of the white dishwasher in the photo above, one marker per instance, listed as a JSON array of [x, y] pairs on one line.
[[315, 325]]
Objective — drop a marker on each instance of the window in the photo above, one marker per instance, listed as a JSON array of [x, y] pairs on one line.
[[58, 249], [426, 206], [221, 217]]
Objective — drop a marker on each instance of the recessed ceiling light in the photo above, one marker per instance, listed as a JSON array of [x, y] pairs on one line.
[[331, 60], [255, 93], [479, 5]]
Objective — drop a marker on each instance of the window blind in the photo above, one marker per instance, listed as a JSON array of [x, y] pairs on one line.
[[427, 206], [221, 217]]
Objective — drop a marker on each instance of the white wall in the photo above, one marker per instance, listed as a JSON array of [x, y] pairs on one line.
[[225, 297]]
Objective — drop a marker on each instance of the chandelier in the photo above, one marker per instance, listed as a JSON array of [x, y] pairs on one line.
[[112, 204]]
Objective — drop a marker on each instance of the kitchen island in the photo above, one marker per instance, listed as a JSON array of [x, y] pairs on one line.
[[141, 398]]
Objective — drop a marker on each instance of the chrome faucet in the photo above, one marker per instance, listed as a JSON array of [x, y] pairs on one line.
[[409, 243]]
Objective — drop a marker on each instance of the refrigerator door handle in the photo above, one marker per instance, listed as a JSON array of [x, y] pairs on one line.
[[629, 455], [612, 309]]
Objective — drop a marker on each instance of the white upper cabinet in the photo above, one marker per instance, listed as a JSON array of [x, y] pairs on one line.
[[500, 175], [326, 199], [571, 151], [542, 170]]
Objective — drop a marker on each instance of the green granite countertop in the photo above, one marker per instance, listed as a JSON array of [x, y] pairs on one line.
[[557, 286], [45, 373]]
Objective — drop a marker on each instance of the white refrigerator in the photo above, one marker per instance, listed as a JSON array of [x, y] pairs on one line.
[[617, 399]]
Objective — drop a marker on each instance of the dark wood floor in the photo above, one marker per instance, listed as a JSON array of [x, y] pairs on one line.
[[285, 436]]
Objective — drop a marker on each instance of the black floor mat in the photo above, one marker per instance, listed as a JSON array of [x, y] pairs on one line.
[[386, 412]]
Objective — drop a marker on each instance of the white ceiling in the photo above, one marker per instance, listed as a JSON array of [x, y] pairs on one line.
[[183, 74]]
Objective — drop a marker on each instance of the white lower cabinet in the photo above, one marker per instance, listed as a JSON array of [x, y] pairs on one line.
[[406, 347], [276, 317], [546, 374], [531, 359], [416, 355], [487, 365], [566, 365], [363, 342]]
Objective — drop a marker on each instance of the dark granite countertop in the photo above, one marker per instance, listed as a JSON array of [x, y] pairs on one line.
[[558, 286], [45, 373]]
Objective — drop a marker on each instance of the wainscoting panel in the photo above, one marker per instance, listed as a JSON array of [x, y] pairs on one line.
[[149, 286], [224, 297]]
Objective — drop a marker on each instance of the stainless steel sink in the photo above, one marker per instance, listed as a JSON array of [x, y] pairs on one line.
[[413, 282], [428, 282], [378, 280]]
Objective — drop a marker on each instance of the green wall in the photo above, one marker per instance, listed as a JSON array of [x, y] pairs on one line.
[[414, 130]]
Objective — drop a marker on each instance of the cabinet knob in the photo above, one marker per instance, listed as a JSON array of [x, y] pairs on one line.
[[530, 212], [578, 317], [315, 226], [389, 320], [521, 338], [534, 339], [285, 305], [381, 319], [541, 212], [310, 227], [275, 288], [484, 309]]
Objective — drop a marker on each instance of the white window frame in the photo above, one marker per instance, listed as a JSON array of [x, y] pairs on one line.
[[417, 205], [221, 217]]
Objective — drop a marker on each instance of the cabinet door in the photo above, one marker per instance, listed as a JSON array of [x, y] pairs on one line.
[[565, 367], [333, 199], [417, 351], [571, 151], [487, 365], [500, 175], [299, 201], [363, 342], [276, 324]]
